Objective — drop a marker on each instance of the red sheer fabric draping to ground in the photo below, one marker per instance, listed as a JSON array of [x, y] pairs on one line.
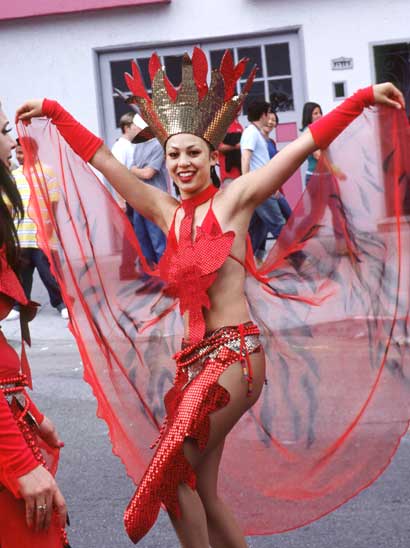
[[332, 303]]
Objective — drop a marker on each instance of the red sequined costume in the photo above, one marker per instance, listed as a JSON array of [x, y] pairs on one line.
[[21, 450], [189, 267]]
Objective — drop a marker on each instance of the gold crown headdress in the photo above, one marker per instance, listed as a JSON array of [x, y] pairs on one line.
[[193, 107]]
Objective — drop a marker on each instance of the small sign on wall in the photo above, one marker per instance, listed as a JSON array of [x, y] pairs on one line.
[[342, 63]]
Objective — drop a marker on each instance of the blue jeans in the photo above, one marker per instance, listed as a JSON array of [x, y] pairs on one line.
[[150, 237], [32, 258], [267, 217], [284, 206]]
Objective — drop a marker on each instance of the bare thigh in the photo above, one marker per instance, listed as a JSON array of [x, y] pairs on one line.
[[223, 420]]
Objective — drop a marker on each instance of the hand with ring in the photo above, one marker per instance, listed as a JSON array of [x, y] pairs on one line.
[[42, 497]]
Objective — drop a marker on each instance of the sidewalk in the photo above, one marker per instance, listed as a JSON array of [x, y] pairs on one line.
[[48, 325]]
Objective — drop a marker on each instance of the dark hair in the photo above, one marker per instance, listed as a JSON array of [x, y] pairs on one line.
[[28, 143], [308, 109], [276, 116], [126, 120], [256, 109], [8, 232], [216, 181]]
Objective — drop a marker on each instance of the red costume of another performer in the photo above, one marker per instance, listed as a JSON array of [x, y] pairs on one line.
[[21, 449]]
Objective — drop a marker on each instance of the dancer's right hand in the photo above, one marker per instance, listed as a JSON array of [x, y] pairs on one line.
[[42, 497], [33, 108]]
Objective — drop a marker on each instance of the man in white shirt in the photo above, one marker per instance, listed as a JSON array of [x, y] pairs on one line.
[[123, 150], [254, 149]]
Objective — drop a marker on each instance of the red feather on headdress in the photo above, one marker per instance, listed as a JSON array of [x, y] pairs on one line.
[[200, 70], [153, 67], [135, 82]]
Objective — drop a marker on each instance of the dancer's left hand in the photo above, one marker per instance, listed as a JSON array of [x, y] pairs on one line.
[[48, 433]]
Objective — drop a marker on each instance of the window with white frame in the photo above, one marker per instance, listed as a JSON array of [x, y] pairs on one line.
[[278, 78]]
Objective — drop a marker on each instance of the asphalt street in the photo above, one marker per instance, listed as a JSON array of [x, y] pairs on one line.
[[97, 489]]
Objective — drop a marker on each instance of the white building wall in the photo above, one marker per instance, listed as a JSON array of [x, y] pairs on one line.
[[54, 56]]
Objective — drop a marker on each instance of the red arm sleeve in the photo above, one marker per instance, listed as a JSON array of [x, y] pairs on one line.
[[327, 128], [81, 140], [16, 459]]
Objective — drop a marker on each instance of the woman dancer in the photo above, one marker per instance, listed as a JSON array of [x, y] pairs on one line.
[[32, 508], [221, 366]]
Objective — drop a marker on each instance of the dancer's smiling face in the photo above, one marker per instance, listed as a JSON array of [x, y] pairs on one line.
[[189, 159]]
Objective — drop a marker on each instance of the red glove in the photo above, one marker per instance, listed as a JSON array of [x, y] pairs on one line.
[[326, 129], [81, 140]]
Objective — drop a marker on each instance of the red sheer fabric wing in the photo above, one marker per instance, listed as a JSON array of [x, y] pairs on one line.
[[332, 303], [337, 400], [125, 329]]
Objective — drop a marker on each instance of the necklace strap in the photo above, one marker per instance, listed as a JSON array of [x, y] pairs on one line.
[[189, 204]]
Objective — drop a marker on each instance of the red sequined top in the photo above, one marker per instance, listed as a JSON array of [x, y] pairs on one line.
[[189, 266]]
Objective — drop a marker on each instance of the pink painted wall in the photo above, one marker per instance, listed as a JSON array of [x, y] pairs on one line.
[[293, 187], [32, 8]]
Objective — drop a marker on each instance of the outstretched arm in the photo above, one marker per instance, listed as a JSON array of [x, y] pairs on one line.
[[151, 202], [253, 188]]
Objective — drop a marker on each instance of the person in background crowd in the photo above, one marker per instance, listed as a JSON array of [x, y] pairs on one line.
[[230, 153], [149, 166], [32, 508], [31, 256], [123, 151], [267, 129], [311, 113], [268, 216]]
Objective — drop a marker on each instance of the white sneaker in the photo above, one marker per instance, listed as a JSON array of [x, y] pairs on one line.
[[12, 315], [64, 313]]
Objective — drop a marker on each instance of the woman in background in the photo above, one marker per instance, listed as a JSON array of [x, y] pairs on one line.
[[311, 113]]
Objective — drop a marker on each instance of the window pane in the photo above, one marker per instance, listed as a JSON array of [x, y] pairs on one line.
[[117, 73], [119, 67], [278, 59], [281, 94], [173, 68], [216, 57], [255, 58], [143, 66], [120, 108], [257, 92]]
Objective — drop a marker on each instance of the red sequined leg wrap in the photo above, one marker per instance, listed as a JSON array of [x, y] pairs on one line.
[[188, 404]]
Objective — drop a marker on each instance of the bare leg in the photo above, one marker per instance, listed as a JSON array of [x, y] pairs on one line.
[[223, 530], [204, 517], [191, 528]]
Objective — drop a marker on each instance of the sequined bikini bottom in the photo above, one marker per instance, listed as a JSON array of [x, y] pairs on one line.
[[195, 395]]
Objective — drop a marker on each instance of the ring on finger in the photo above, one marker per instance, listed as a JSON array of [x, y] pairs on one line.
[[42, 507]]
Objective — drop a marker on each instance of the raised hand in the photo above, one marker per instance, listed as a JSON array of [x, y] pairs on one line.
[[32, 108]]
